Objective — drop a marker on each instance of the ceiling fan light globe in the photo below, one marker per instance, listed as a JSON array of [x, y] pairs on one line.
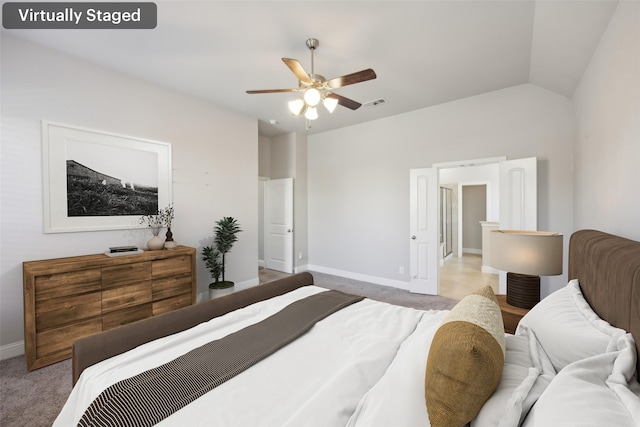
[[312, 97], [330, 104], [311, 113], [296, 106]]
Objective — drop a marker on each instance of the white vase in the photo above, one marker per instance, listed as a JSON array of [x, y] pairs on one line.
[[156, 242], [215, 293]]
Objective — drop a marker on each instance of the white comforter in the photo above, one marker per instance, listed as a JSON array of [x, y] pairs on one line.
[[362, 366]]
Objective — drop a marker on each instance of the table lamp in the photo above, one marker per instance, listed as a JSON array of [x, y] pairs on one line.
[[525, 256]]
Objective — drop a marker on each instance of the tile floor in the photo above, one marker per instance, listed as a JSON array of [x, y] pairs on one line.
[[460, 276]]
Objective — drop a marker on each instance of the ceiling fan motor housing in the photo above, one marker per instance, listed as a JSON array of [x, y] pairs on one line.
[[312, 43]]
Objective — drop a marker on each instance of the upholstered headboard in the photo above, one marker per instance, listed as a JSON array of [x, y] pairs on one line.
[[608, 269]]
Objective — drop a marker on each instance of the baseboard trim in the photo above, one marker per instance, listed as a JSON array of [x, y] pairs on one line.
[[472, 251], [12, 350], [362, 277], [488, 269], [301, 268]]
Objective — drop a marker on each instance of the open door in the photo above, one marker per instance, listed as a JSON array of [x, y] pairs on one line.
[[423, 231], [278, 248], [519, 194], [518, 200]]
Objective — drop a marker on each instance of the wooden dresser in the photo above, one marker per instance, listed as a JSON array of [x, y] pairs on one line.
[[69, 298]]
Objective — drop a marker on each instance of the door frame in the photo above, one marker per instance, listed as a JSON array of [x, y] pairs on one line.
[[468, 163], [436, 208], [460, 224], [503, 223]]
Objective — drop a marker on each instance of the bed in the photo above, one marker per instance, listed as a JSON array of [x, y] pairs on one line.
[[358, 362]]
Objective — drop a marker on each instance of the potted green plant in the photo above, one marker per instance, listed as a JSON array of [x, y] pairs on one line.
[[214, 255]]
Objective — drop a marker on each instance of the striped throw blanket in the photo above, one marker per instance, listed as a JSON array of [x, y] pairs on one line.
[[151, 396]]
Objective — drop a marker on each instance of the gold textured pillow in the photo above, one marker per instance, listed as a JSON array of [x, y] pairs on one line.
[[465, 360]]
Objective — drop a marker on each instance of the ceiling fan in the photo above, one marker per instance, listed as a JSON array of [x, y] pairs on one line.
[[318, 89]]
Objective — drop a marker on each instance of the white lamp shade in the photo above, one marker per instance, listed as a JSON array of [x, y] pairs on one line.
[[536, 253], [296, 106], [312, 97], [311, 113], [330, 103]]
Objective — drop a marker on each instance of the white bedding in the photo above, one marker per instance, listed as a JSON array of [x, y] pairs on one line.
[[339, 373]]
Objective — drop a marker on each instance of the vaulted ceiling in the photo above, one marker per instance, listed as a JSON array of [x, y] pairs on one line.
[[424, 52]]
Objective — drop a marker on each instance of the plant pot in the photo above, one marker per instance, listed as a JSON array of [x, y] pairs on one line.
[[220, 289]]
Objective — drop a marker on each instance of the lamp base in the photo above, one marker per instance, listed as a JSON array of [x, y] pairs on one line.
[[523, 291]]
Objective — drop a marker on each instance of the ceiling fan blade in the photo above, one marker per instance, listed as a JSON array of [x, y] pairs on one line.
[[345, 102], [349, 79], [297, 69], [251, 92]]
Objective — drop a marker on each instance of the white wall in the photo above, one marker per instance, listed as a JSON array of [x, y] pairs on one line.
[[215, 164], [301, 206], [359, 176], [264, 172], [285, 156], [264, 156], [607, 145], [474, 208]]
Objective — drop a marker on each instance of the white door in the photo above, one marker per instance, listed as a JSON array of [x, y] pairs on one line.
[[278, 250], [519, 194], [518, 200], [423, 231]]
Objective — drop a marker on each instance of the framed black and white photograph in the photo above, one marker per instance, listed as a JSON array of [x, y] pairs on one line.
[[95, 180]]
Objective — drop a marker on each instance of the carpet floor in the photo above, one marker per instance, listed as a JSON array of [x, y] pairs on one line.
[[35, 398]]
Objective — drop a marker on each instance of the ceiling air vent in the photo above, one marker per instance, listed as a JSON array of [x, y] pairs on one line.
[[376, 103]]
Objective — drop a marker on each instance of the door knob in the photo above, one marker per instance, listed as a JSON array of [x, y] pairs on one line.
[[413, 237]]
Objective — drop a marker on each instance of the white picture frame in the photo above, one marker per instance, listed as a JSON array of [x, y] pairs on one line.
[[79, 161]]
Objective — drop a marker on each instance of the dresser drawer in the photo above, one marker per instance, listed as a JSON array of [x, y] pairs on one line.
[[113, 277], [126, 296], [126, 315], [58, 341], [170, 286], [61, 311], [59, 285], [171, 304], [171, 266]]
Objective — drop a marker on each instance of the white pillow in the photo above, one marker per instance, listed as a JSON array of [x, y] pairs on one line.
[[597, 391], [526, 374], [567, 328]]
